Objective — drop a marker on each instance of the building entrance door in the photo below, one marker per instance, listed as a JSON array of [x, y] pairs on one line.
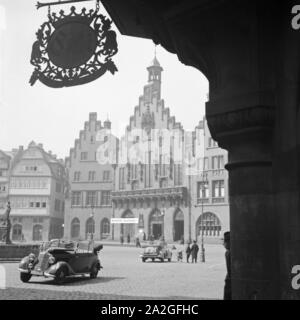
[[156, 224], [179, 230], [157, 230], [178, 225]]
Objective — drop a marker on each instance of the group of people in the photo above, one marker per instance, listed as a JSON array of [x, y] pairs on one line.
[[192, 251]]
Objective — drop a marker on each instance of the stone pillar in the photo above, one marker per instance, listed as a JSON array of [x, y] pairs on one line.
[[247, 134]]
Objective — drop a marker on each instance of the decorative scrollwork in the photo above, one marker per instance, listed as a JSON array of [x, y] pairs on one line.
[[73, 49]]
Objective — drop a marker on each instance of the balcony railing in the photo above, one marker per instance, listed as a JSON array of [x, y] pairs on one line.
[[142, 193], [218, 200], [202, 200]]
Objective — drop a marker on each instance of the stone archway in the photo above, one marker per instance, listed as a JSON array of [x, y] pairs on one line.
[[104, 228], [249, 52], [156, 224], [17, 234], [127, 229], [75, 228], [208, 225], [37, 232], [90, 228], [178, 225]]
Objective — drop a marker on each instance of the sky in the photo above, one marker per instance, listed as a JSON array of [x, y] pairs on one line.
[[54, 117]]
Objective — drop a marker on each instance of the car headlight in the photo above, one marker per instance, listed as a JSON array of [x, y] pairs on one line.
[[51, 260]]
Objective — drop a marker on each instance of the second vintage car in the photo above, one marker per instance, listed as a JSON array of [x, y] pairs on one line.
[[157, 251], [59, 259]]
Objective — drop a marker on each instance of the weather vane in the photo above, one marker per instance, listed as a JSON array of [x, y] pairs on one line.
[[73, 48]]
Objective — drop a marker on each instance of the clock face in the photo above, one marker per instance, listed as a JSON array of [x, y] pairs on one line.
[[72, 44]]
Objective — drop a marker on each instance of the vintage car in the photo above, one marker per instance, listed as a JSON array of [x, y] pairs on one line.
[[59, 259], [158, 251]]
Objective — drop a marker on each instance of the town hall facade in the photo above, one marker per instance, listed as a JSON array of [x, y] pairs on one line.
[[172, 181]]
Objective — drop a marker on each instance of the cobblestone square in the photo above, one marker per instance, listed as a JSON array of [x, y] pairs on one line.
[[125, 276]]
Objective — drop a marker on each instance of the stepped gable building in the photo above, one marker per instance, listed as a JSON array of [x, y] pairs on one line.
[[151, 187], [150, 179], [88, 204], [36, 193], [159, 186]]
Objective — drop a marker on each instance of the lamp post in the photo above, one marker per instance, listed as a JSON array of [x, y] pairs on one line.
[[202, 210], [92, 216], [114, 166], [190, 203]]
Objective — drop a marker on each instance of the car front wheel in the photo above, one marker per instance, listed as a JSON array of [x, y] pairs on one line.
[[25, 277], [94, 272], [60, 276]]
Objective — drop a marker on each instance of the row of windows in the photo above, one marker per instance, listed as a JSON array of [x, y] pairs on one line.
[[216, 162], [31, 168], [29, 183], [17, 233], [218, 189], [92, 175], [35, 220], [136, 171], [90, 228], [91, 198], [28, 202]]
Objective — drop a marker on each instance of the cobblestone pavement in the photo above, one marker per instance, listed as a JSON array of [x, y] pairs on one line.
[[125, 277]]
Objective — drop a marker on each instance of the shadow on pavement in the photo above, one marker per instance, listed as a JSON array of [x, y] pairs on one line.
[[76, 280]]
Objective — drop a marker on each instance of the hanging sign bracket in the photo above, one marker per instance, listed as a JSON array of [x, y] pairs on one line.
[[40, 5], [74, 47]]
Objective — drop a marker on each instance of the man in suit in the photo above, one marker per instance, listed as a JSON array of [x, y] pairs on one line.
[[194, 251]]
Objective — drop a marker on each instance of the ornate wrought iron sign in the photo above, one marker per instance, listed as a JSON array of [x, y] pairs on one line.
[[74, 48]]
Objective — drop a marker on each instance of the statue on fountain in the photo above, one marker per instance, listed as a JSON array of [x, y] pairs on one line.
[[5, 225]]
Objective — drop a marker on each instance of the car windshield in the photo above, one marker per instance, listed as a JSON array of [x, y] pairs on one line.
[[57, 243]]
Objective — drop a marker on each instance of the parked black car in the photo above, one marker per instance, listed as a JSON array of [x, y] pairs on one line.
[[59, 259]]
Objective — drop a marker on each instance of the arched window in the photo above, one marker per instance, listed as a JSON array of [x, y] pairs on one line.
[[37, 233], [127, 229], [90, 228], [17, 232], [75, 228], [209, 225], [105, 228]]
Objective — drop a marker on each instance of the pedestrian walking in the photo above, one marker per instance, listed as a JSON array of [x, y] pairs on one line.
[[121, 239], [188, 252], [128, 238], [137, 242], [194, 251], [227, 287]]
